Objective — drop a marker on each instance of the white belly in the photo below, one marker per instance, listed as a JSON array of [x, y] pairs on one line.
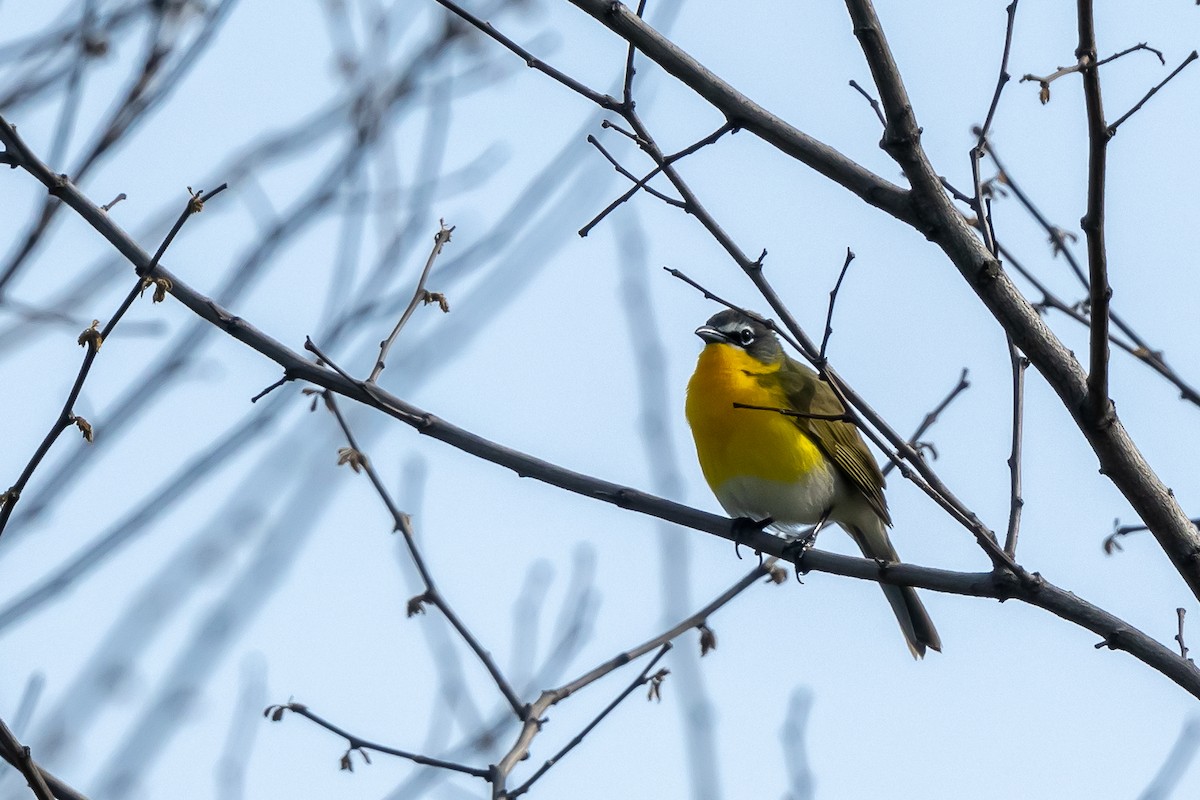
[[789, 503]]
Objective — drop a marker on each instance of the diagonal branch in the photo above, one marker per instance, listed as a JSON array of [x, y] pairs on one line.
[[92, 338], [737, 108], [420, 296], [17, 754], [1120, 459], [1141, 349], [1116, 633], [353, 742], [551, 697], [641, 680], [1112, 129], [358, 460]]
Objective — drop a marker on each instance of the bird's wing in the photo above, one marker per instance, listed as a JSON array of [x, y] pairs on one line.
[[839, 440]]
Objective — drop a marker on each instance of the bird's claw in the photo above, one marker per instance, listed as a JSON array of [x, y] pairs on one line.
[[794, 550], [744, 525]]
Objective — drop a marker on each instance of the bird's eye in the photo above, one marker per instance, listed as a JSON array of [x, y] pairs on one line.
[[747, 336]]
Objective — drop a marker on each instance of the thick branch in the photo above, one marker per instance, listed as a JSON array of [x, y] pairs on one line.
[[941, 222]]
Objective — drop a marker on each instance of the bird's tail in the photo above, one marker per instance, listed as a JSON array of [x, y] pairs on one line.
[[919, 633]]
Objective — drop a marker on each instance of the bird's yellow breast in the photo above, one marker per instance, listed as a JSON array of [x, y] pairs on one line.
[[738, 443]]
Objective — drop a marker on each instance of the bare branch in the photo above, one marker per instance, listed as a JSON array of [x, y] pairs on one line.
[[642, 183], [1004, 77], [1140, 348], [420, 296], [1120, 459], [1045, 81], [788, 412], [641, 680], [1112, 129], [18, 755], [432, 595], [833, 293], [1112, 545], [638, 183], [92, 338], [531, 61], [1141, 46], [356, 743], [984, 214], [1016, 501], [551, 697], [932, 417], [1098, 410], [871, 100], [745, 113]]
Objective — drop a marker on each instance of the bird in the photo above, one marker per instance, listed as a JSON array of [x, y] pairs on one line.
[[790, 471]]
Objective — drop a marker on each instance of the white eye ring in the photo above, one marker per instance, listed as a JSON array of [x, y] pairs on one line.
[[747, 336]]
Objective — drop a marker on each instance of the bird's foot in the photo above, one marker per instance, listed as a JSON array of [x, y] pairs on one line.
[[745, 525], [795, 549]]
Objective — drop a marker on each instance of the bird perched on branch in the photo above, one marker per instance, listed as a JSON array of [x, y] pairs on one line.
[[793, 469]]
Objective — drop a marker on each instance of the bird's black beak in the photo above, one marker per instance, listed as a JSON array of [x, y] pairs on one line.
[[711, 335]]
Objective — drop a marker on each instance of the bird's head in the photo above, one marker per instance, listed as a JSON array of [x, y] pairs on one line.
[[736, 329]]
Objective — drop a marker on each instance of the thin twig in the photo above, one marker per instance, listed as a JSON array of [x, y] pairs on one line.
[[984, 214], [1004, 77], [1177, 762], [1183, 650], [788, 412], [874, 103], [833, 293], [1134, 49], [1141, 348], [73, 92], [420, 295], [641, 680], [1112, 129], [357, 459], [550, 697], [643, 182], [638, 183], [14, 751], [1016, 500], [1111, 542], [92, 338], [357, 743], [1045, 81], [532, 61]]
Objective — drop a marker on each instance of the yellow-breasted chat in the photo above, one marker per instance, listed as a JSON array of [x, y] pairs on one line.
[[794, 470]]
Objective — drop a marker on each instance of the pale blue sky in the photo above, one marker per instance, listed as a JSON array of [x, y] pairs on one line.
[[537, 354]]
